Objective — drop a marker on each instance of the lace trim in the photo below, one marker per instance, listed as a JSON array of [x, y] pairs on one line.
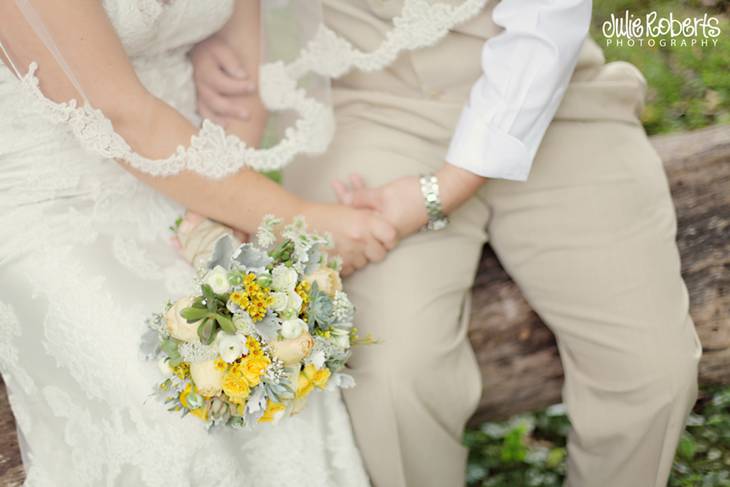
[[214, 153], [9, 357]]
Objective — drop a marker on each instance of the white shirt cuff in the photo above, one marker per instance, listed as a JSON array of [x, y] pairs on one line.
[[485, 150]]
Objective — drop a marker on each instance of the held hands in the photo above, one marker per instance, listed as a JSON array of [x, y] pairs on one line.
[[360, 236], [399, 202]]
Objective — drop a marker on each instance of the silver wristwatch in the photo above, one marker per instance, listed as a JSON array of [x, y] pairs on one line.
[[430, 190]]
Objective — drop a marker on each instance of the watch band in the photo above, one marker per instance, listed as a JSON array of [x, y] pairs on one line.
[[430, 190]]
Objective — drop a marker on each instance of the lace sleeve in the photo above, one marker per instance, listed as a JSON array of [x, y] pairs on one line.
[[214, 153]]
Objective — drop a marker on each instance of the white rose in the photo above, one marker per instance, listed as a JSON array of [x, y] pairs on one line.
[[279, 301], [294, 302], [230, 347], [327, 279], [207, 377], [164, 365], [317, 358], [177, 326], [341, 338], [243, 323], [217, 279], [291, 329], [283, 278]]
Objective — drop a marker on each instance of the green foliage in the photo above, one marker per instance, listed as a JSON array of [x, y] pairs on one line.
[[529, 450], [703, 456], [689, 87]]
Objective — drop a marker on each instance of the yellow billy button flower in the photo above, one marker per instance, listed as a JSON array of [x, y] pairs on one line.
[[310, 377], [253, 346], [239, 298], [302, 290], [272, 411], [259, 298]]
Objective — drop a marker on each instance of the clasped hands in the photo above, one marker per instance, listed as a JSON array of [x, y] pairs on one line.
[[367, 222]]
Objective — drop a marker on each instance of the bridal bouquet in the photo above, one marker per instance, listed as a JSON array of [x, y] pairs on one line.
[[269, 325]]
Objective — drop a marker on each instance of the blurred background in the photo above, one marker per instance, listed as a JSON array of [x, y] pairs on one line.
[[689, 88]]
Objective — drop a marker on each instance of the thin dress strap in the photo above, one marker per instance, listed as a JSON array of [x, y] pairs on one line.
[[10, 60], [36, 23]]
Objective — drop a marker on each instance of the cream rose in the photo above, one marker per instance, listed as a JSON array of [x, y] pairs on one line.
[[292, 351], [177, 326], [327, 279], [207, 377]]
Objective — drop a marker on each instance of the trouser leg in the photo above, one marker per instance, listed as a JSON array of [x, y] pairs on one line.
[[590, 240]]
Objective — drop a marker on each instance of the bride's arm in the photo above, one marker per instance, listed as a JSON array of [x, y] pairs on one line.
[[83, 33]]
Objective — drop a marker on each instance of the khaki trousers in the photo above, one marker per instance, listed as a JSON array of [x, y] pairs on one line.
[[590, 239]]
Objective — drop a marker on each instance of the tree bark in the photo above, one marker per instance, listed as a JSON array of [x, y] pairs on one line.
[[519, 360]]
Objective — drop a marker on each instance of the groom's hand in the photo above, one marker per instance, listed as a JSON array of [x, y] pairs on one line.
[[360, 236], [400, 202], [224, 88]]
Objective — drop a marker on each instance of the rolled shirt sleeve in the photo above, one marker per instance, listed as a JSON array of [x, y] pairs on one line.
[[527, 68]]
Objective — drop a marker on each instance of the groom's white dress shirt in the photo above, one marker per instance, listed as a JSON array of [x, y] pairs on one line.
[[527, 68]]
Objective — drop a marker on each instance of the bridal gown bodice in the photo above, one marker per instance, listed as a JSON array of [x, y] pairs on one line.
[[84, 258]]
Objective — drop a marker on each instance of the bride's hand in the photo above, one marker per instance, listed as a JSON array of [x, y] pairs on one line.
[[360, 236], [224, 88], [400, 202]]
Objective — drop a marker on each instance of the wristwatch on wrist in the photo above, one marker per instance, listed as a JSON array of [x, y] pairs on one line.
[[430, 190]]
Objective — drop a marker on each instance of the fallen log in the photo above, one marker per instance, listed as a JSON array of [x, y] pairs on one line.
[[519, 361], [517, 353]]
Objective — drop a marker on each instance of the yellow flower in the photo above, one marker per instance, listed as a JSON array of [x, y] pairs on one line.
[[258, 298], [253, 367], [310, 377], [221, 364], [239, 298], [235, 385], [181, 370], [253, 346], [272, 410], [302, 290], [200, 413]]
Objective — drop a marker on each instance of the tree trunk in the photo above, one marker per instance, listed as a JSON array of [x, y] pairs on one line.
[[519, 360], [520, 363]]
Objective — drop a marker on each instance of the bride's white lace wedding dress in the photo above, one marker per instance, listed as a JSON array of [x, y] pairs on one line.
[[85, 258]]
